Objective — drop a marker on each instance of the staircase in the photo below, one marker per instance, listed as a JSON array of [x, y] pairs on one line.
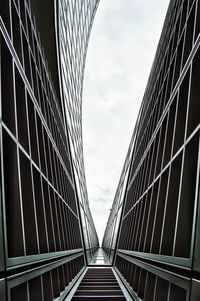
[[99, 284]]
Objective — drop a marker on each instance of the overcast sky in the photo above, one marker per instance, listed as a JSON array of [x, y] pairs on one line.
[[122, 46]]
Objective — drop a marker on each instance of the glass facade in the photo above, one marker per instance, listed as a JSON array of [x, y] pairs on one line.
[[42, 250], [47, 234], [74, 25], [157, 251]]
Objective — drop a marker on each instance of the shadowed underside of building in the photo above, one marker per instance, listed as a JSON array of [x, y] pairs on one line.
[[48, 242]]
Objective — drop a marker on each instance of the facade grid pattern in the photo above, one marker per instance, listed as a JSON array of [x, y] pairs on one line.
[[40, 257], [157, 252], [75, 21]]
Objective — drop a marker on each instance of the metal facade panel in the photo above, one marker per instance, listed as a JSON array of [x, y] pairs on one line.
[[42, 250], [160, 220]]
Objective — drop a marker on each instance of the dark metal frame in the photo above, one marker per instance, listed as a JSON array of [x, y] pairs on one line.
[[42, 251], [73, 39], [159, 232]]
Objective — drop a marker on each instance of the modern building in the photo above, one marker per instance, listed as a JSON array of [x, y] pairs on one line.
[[157, 252], [47, 235], [75, 19], [48, 241]]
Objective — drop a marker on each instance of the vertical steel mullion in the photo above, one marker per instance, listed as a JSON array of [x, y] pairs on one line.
[[66, 226], [42, 288], [34, 206], [145, 286], [195, 241], [147, 224], [51, 217], [139, 222], [32, 180], [60, 222], [18, 163], [182, 165], [31, 169], [71, 230], [2, 192], [55, 201], [67, 213], [28, 291], [69, 227], [62, 209], [142, 224], [134, 224], [51, 281], [44, 149], [165, 208], [45, 214], [155, 214], [128, 220], [169, 291], [155, 288], [55, 168]]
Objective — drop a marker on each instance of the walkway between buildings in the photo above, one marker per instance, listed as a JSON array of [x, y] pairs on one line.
[[99, 284], [100, 258]]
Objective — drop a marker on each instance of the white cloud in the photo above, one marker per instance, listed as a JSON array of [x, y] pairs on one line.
[[121, 50]]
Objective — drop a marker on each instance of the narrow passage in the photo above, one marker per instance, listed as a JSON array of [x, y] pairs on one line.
[[99, 284], [100, 258]]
